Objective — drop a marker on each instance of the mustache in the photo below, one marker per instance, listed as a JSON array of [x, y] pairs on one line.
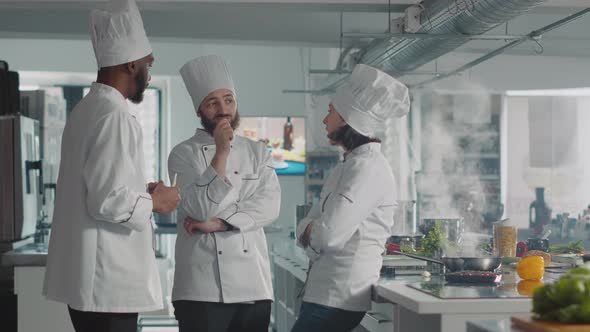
[[222, 116]]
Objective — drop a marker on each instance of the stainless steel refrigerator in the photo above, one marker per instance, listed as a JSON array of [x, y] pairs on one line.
[[21, 174], [50, 110]]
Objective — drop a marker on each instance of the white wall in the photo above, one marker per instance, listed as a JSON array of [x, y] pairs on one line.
[[260, 73]]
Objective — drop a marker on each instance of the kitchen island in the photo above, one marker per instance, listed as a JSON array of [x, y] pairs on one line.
[[398, 304]]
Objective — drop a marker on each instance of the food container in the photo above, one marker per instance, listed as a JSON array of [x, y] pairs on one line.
[[505, 240]]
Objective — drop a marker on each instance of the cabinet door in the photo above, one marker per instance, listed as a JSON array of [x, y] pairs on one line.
[[35, 313]]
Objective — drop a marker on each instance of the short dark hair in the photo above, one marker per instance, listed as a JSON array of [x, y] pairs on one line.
[[350, 138]]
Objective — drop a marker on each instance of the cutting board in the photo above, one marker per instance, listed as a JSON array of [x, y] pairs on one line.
[[530, 325]]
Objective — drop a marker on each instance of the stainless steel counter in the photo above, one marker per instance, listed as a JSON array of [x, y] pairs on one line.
[[28, 255]]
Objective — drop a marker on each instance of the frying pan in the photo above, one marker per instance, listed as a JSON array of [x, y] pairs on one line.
[[455, 264]]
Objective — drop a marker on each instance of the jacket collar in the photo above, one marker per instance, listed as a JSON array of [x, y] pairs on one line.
[[108, 92], [364, 149], [204, 137]]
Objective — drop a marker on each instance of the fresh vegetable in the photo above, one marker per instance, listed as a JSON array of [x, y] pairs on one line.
[[574, 247], [407, 248], [566, 300], [433, 241], [531, 268], [527, 287]]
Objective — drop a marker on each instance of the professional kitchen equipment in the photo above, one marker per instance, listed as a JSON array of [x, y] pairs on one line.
[[20, 198], [473, 277], [22, 177], [454, 264], [49, 108], [537, 244], [9, 92], [442, 289]]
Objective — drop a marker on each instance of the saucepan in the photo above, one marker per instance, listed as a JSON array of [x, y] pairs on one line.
[[456, 264]]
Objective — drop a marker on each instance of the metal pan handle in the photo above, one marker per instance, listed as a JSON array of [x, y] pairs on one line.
[[422, 258]]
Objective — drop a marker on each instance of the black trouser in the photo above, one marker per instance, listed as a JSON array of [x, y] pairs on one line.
[[194, 316], [87, 321]]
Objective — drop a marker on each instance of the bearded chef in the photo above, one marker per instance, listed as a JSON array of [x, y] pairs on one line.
[[222, 280]]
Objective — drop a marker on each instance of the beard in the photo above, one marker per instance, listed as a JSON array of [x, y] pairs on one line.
[[141, 84], [209, 125]]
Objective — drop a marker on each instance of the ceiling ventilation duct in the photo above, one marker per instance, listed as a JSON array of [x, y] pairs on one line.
[[450, 17]]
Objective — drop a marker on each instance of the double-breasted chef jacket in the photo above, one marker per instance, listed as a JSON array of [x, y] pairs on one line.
[[230, 266], [350, 227], [101, 255]]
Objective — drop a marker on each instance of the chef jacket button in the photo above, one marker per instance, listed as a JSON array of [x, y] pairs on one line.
[[245, 250], [205, 148], [236, 172], [219, 252]]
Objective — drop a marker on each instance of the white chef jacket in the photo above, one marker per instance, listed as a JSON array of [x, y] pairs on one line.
[[350, 227], [101, 256], [232, 266]]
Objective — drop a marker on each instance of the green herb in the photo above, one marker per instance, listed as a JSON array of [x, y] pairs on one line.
[[407, 248], [433, 241], [573, 247], [486, 247]]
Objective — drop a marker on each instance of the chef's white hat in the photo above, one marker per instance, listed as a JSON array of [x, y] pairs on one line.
[[204, 75], [117, 34], [369, 97]]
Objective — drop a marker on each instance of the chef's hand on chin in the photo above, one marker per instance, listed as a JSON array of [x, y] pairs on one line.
[[165, 199], [223, 134], [212, 225]]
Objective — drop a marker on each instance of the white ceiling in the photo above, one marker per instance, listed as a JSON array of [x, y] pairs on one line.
[[281, 22]]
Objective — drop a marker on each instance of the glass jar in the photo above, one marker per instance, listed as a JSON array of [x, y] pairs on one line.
[[505, 240]]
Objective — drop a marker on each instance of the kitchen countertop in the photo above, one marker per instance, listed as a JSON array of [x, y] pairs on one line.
[[396, 290], [28, 255], [36, 254]]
